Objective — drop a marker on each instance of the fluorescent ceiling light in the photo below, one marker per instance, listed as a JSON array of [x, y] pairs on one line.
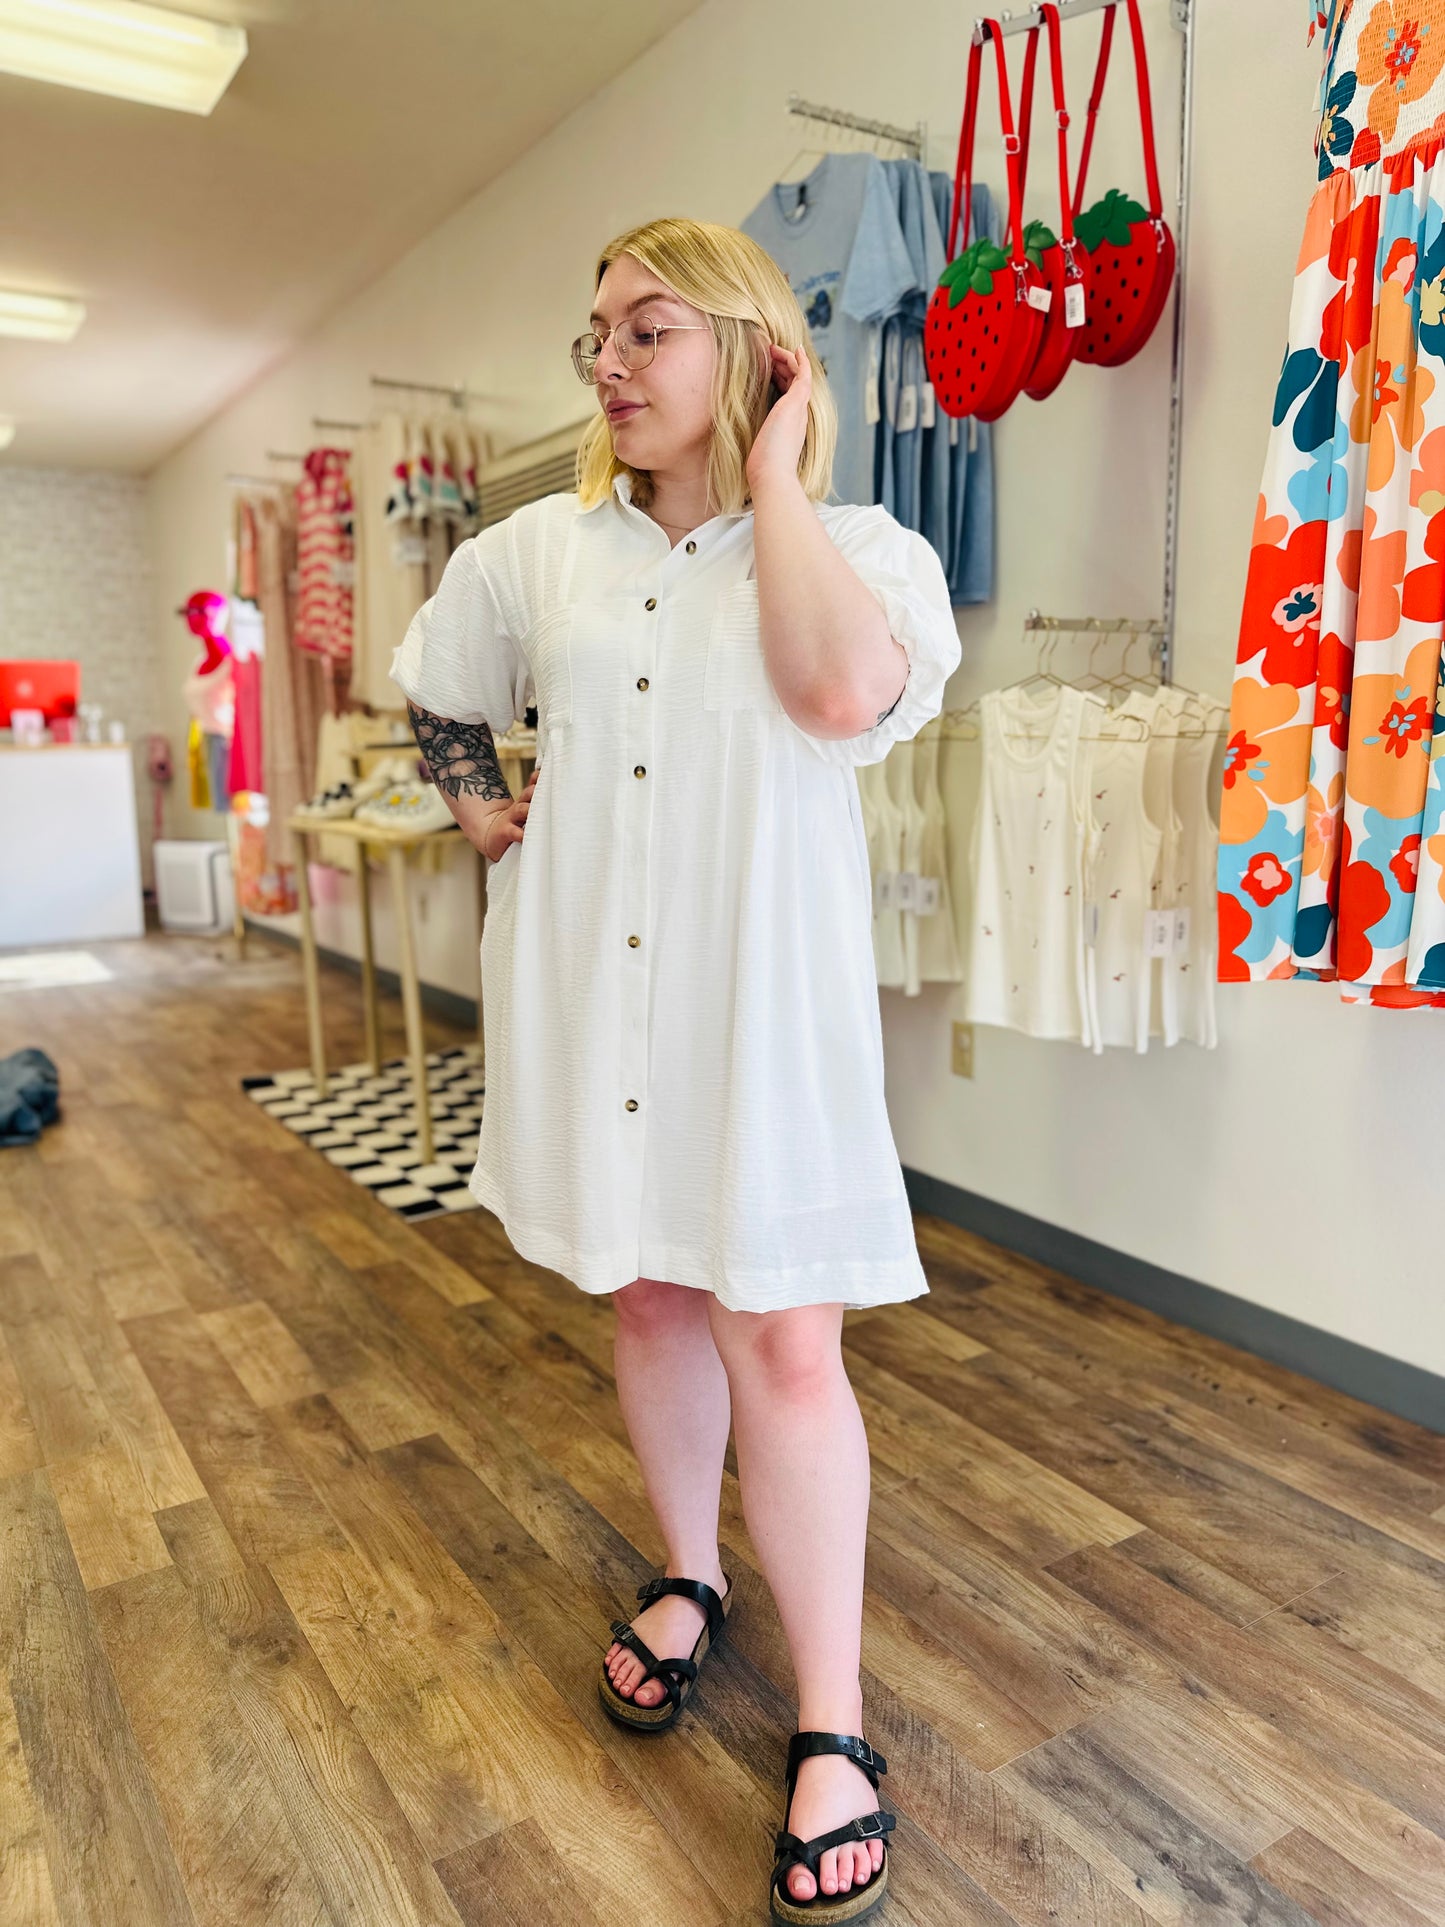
[[39, 317], [7, 431], [122, 48]]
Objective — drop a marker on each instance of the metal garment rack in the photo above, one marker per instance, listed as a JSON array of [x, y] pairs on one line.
[[1181, 13], [915, 138]]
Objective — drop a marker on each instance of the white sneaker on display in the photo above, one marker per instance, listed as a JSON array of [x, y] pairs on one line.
[[412, 806]]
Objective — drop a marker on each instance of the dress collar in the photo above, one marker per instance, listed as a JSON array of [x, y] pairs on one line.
[[622, 492]]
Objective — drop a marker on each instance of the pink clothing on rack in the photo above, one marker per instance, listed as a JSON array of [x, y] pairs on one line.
[[245, 766], [326, 555]]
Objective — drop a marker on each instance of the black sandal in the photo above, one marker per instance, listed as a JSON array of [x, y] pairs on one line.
[[859, 1901], [677, 1675]]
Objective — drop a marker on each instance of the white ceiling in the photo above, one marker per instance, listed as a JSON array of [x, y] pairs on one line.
[[206, 247]]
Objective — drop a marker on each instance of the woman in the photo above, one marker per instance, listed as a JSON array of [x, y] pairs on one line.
[[685, 1102]]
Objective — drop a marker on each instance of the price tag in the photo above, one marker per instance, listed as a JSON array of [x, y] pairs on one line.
[[1158, 933], [953, 431], [908, 408], [927, 407], [1074, 305], [907, 889], [1041, 298], [408, 550], [928, 896], [871, 409], [972, 433], [343, 573], [885, 891], [1181, 927]]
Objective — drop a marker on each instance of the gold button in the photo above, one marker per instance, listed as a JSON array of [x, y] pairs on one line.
[[632, 1103], [692, 548], [639, 769], [642, 682], [651, 602], [634, 941]]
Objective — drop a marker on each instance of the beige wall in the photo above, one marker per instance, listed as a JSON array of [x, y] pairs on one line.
[[1296, 1165]]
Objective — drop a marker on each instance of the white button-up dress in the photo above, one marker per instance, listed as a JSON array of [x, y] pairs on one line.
[[684, 1052]]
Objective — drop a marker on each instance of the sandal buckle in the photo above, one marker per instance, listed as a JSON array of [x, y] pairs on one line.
[[867, 1832]]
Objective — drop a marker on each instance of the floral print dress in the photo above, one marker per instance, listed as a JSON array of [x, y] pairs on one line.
[[1332, 821]]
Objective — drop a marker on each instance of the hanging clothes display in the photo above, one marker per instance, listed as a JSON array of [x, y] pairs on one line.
[[861, 242], [292, 698], [1332, 859], [835, 235], [326, 556], [401, 547]]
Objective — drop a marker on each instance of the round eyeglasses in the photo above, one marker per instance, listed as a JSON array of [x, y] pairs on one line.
[[636, 343]]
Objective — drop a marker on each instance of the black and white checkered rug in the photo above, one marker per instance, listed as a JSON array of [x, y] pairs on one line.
[[365, 1124]]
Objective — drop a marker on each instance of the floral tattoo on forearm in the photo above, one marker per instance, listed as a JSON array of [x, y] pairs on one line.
[[462, 757]]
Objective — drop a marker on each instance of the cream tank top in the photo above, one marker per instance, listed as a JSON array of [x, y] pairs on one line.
[[1029, 854]]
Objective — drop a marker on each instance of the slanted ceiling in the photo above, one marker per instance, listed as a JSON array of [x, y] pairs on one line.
[[207, 248]]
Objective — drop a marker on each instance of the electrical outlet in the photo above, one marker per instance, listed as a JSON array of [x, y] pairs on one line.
[[963, 1050]]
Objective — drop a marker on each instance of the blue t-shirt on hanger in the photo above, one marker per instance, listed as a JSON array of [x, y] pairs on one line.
[[835, 235], [904, 428]]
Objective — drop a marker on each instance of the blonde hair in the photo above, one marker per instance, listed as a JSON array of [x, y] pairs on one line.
[[745, 296]]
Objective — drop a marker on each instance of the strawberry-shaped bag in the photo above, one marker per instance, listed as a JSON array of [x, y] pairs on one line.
[[981, 331], [1063, 261], [1131, 248]]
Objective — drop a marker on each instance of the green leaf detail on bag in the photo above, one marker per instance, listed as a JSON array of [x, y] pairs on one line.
[[1038, 235], [1109, 220], [974, 270]]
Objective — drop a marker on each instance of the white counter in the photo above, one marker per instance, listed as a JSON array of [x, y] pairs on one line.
[[69, 846]]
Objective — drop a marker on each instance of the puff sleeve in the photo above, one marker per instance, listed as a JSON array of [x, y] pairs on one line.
[[461, 657], [905, 574]]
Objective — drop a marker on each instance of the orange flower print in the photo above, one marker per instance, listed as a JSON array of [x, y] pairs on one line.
[[1270, 756], [1374, 566], [1393, 387], [1265, 878], [1399, 57]]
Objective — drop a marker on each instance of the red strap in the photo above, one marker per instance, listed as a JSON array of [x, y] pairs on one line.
[[1146, 110], [1146, 107], [963, 174], [1101, 73], [1011, 144], [963, 171], [1026, 110]]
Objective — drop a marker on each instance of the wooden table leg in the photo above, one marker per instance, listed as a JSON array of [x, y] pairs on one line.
[[368, 962], [309, 971], [411, 1002]]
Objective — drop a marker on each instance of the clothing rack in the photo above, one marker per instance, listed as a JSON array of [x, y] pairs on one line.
[[1012, 23], [914, 138], [459, 396], [1181, 15]]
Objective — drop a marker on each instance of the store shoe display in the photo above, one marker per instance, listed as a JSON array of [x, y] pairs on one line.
[[411, 806], [339, 800]]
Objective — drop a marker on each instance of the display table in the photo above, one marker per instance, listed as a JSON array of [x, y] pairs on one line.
[[69, 846], [396, 846]]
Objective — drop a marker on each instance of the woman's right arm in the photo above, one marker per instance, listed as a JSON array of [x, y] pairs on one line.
[[462, 758]]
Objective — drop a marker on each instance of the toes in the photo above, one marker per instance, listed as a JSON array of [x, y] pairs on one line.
[[801, 1884]]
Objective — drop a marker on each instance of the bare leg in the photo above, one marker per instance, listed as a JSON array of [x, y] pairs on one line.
[[804, 1473], [674, 1397]]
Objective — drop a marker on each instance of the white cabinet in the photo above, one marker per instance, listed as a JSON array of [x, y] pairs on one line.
[[69, 846]]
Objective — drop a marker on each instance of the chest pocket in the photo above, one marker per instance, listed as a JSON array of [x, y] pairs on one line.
[[736, 675]]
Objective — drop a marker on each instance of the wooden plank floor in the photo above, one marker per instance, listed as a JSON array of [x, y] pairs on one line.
[[312, 1522]]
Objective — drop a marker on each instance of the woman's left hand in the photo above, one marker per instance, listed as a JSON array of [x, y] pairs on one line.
[[778, 446]]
